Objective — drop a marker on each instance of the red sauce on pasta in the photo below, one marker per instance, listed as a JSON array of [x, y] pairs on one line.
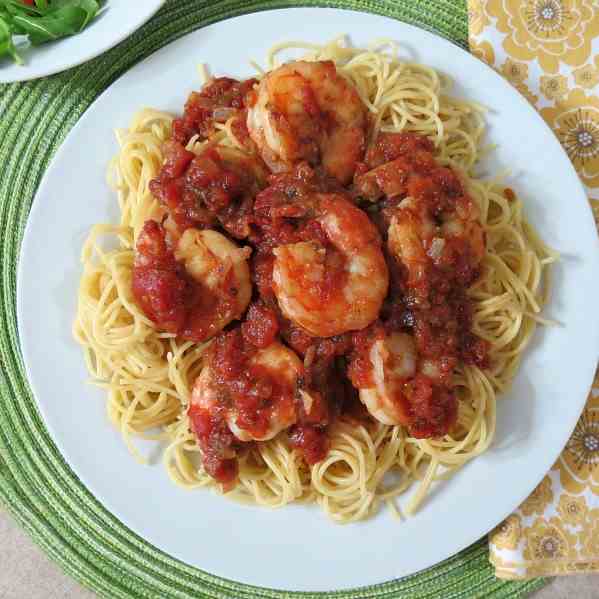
[[232, 192], [215, 188], [167, 294], [430, 301], [217, 443], [217, 102]]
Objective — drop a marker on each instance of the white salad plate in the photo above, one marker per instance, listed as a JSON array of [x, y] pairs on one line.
[[117, 20]]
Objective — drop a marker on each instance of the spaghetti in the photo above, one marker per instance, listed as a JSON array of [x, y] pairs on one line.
[[149, 374]]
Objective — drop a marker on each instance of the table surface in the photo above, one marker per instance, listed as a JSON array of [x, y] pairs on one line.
[[25, 572]]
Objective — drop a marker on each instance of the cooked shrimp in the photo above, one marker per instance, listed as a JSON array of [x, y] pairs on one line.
[[390, 162], [260, 403], [440, 262], [393, 362], [223, 291], [469, 230], [399, 388], [417, 240], [434, 221], [196, 290], [307, 111], [339, 285], [410, 230]]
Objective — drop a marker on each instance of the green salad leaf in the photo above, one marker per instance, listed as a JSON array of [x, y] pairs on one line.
[[7, 46], [43, 21], [66, 21]]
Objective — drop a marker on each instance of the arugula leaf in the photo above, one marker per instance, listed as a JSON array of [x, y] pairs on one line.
[[66, 21], [8, 19], [85, 4], [6, 44], [91, 8], [17, 7]]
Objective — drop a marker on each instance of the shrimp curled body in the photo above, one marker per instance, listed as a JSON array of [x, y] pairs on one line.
[[307, 111], [220, 269], [338, 286], [400, 387], [416, 240], [393, 361], [274, 372], [195, 290]]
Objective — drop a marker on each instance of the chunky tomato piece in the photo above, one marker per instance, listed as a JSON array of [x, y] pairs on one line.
[[158, 281], [217, 442], [209, 106], [261, 325], [216, 186], [311, 440], [434, 409], [391, 146]]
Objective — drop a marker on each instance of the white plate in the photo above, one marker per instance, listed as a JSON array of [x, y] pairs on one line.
[[118, 20], [297, 547]]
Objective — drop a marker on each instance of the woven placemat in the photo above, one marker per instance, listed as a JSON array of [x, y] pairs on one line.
[[36, 485]]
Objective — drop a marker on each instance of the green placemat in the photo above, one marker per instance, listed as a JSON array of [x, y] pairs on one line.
[[36, 484]]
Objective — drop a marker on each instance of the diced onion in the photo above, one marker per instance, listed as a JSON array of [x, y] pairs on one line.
[[436, 249], [222, 115]]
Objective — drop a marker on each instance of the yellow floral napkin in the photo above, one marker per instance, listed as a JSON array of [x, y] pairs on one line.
[[549, 51]]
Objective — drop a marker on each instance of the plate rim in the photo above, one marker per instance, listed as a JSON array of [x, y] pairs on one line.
[[24, 250]]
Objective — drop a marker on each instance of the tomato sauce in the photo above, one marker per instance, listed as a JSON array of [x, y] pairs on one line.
[[217, 187], [217, 442], [435, 306], [167, 294], [311, 440], [215, 103], [431, 303], [261, 325], [236, 195], [214, 188], [159, 282]]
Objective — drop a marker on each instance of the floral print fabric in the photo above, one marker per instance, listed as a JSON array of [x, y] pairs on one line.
[[549, 51]]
